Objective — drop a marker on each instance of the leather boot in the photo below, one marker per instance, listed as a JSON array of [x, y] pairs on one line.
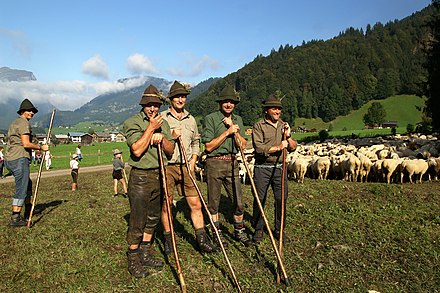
[[17, 221], [148, 256], [222, 239], [135, 266], [258, 235], [205, 243], [240, 236], [168, 244]]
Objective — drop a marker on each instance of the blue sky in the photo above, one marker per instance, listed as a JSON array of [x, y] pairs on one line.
[[79, 49]]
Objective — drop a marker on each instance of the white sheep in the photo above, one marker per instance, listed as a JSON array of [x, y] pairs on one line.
[[390, 167], [413, 167]]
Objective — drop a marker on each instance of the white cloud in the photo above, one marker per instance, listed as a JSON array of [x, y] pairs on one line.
[[139, 64], [19, 41], [96, 67], [197, 66], [64, 95]]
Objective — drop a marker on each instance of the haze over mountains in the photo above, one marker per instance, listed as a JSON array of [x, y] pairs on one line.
[[111, 108]]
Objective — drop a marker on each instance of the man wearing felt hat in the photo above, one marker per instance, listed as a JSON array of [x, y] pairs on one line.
[[17, 161], [117, 174], [268, 142], [144, 131], [221, 130], [184, 126]]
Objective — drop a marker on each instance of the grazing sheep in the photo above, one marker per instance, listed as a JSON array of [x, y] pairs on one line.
[[390, 167], [320, 167], [350, 168], [298, 169], [365, 167], [433, 168], [413, 167]]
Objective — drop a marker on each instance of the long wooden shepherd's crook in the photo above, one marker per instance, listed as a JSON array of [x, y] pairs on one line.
[[183, 153], [263, 215], [283, 201], [40, 169], [170, 217]]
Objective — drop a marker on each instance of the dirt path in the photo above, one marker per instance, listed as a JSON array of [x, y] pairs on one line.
[[64, 172]]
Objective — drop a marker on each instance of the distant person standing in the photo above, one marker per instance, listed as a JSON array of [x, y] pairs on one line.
[[34, 158], [117, 174], [78, 152], [144, 132], [74, 168], [17, 161], [48, 159], [2, 158]]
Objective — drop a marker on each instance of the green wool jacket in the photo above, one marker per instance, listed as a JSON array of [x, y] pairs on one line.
[[214, 126], [134, 127]]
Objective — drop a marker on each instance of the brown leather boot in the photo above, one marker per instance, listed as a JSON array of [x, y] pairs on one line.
[[148, 256], [135, 266], [205, 243], [168, 244]]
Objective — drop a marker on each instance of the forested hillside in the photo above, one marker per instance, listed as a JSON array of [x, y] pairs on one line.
[[330, 78]]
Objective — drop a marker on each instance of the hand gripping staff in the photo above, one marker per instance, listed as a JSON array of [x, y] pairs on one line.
[[40, 169], [283, 202], [183, 153], [170, 217], [257, 199]]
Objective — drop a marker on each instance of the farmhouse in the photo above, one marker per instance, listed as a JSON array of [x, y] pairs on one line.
[[62, 138], [118, 137], [81, 137], [389, 124], [102, 137]]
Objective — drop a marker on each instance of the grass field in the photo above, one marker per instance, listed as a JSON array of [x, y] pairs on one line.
[[344, 237], [405, 109]]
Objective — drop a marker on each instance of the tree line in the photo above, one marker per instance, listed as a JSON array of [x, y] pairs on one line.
[[330, 78]]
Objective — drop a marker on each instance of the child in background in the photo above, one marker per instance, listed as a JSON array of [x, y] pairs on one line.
[[2, 160], [48, 159], [74, 166], [118, 169]]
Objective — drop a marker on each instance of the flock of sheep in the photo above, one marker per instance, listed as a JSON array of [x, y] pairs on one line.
[[396, 159]]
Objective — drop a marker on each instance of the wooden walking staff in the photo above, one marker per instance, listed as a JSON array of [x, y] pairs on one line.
[[40, 169], [183, 153], [170, 217], [283, 201], [263, 215]]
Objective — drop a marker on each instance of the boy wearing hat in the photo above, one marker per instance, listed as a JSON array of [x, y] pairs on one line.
[[144, 131], [184, 125], [221, 130], [268, 143], [117, 174], [17, 161], [74, 167]]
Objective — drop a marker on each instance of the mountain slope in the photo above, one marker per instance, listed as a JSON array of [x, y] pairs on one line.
[[331, 78]]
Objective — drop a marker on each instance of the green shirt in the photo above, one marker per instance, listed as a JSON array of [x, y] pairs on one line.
[[190, 134], [15, 149], [134, 128], [214, 126]]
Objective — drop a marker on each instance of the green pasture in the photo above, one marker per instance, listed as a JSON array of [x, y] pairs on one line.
[[343, 237], [405, 109], [95, 154]]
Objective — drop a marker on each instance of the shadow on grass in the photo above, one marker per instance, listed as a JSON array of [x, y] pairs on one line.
[[41, 207]]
